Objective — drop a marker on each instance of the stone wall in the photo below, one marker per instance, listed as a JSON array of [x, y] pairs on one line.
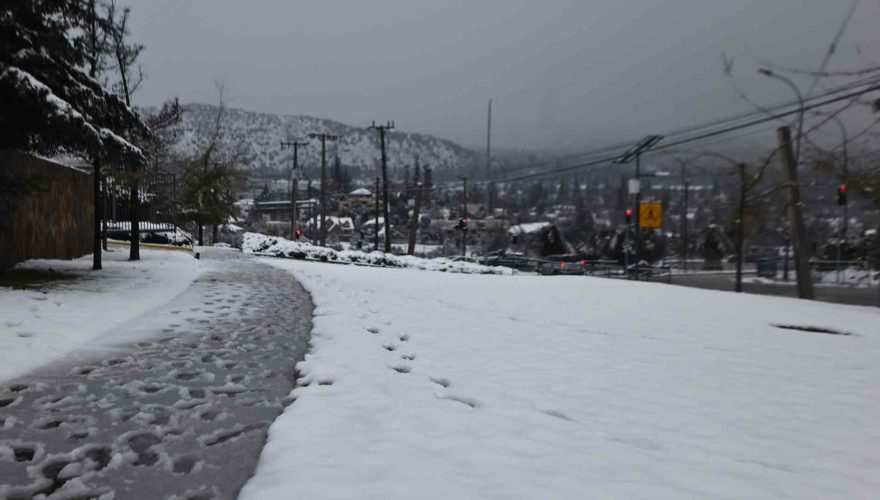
[[45, 210]]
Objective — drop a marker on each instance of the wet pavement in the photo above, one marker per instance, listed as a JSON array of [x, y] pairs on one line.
[[825, 293], [181, 414]]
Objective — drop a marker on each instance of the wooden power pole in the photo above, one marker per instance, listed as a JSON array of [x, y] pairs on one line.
[[293, 182], [383, 129], [464, 215], [795, 218], [414, 226], [376, 232], [740, 226], [323, 137]]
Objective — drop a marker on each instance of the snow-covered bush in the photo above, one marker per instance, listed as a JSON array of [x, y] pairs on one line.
[[279, 247]]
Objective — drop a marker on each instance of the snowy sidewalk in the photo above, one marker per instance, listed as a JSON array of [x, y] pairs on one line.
[[39, 325], [429, 385], [182, 413]]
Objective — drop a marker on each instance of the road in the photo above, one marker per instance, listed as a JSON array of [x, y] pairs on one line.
[[182, 413], [826, 293]]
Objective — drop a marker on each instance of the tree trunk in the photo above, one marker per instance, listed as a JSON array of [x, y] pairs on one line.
[[135, 253], [216, 233], [201, 234], [99, 215]]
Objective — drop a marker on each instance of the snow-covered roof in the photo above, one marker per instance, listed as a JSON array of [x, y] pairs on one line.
[[527, 228], [372, 221], [361, 192], [333, 221]]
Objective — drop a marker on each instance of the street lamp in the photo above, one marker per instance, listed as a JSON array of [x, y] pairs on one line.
[[800, 97]]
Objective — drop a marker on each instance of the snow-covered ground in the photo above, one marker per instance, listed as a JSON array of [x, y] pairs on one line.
[[262, 244], [42, 324], [431, 385]]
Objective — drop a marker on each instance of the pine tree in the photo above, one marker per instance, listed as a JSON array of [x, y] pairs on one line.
[[48, 102]]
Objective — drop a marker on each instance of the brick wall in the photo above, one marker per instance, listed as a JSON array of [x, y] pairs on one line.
[[45, 210]]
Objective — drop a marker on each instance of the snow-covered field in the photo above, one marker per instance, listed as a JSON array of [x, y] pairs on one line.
[[431, 385], [40, 325]]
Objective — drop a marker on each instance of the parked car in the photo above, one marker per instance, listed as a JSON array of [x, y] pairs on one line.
[[569, 263]]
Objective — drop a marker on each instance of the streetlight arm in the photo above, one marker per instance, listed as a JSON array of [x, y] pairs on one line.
[[801, 104]]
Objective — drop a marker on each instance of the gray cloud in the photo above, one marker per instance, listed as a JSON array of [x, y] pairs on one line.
[[563, 73]]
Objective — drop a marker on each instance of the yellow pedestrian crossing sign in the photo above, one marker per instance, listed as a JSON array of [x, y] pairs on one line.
[[651, 214]]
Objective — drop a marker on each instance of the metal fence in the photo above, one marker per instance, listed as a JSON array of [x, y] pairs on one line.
[[157, 208]]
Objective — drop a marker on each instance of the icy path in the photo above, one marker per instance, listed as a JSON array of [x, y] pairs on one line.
[[182, 413], [431, 385]]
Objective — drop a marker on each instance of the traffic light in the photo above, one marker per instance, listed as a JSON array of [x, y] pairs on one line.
[[297, 234], [841, 195], [462, 224], [629, 215]]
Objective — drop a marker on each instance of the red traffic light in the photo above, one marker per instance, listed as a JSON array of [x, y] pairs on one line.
[[842, 188], [297, 233], [629, 212]]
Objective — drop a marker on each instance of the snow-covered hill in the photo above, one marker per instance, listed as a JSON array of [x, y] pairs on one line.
[[259, 136]]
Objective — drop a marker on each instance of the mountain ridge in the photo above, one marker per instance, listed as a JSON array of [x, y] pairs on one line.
[[256, 138]]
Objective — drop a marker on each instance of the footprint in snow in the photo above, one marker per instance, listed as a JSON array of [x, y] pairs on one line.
[[473, 403], [558, 414], [441, 381]]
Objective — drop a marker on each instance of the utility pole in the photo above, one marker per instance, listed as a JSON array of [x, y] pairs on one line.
[[376, 232], [684, 219], [740, 222], [636, 152], [293, 181], [638, 214], [489, 173], [795, 218], [383, 129], [323, 137], [414, 227], [464, 214], [489, 139]]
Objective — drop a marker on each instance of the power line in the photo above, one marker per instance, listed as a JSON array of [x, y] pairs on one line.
[[715, 123], [700, 137]]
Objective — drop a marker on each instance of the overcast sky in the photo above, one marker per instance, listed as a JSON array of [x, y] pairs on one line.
[[572, 73]]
